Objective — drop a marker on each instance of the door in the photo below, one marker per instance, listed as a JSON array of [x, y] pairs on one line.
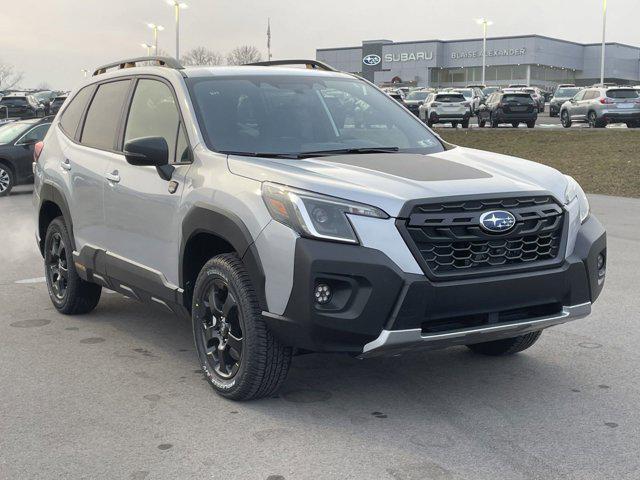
[[86, 159], [579, 107], [24, 151], [143, 228]]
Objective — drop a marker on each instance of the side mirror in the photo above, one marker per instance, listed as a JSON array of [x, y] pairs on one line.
[[151, 152]]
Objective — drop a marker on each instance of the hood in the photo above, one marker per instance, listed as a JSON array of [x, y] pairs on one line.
[[388, 181]]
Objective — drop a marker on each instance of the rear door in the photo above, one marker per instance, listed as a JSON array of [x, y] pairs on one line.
[[87, 159], [143, 227]]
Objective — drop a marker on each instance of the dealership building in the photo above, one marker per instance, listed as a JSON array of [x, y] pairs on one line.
[[530, 59]]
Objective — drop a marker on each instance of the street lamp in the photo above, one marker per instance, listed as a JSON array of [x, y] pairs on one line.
[[85, 72], [485, 23], [156, 29], [604, 32], [148, 47], [177, 6]]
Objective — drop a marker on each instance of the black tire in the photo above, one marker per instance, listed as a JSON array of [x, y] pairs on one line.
[[515, 124], [565, 119], [465, 123], [552, 113], [593, 121], [531, 124], [7, 180], [454, 124], [68, 292], [506, 346], [240, 357], [493, 122], [430, 123], [482, 123]]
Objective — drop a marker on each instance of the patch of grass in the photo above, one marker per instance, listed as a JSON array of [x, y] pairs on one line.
[[602, 161]]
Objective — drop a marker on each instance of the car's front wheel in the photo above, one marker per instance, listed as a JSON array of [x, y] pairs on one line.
[[6, 180], [506, 346], [68, 292], [565, 119], [240, 357]]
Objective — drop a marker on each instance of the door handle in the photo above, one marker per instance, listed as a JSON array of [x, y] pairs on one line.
[[66, 164], [113, 177]]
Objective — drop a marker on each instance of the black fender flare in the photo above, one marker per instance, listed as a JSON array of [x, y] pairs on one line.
[[228, 226], [51, 193]]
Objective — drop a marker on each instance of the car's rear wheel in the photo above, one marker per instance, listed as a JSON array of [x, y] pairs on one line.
[[515, 124], [6, 180], [68, 292], [240, 357], [531, 124], [565, 119], [454, 124], [593, 120], [465, 123], [493, 121], [506, 346], [482, 123], [633, 124]]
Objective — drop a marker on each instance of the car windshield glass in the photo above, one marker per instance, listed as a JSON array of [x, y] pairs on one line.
[[14, 101], [515, 98], [566, 92], [11, 131], [626, 93], [417, 95], [295, 114], [450, 98], [466, 93], [59, 100]]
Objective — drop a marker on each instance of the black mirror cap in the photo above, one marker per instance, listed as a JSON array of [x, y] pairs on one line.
[[147, 151]]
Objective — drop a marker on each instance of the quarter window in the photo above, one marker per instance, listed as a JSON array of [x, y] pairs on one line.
[[154, 113], [104, 115], [71, 115]]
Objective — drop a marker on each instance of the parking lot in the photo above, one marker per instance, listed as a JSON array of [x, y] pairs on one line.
[[118, 393]]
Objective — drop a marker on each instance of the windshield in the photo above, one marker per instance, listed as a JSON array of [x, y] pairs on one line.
[[417, 95], [298, 114], [14, 101], [566, 92], [489, 90], [517, 98], [11, 131]]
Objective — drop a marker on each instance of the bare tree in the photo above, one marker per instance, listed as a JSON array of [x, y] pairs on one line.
[[9, 78], [201, 56], [244, 54]]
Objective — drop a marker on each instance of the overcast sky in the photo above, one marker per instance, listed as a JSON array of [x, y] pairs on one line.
[[52, 40]]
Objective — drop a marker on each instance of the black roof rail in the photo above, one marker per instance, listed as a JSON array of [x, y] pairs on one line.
[[132, 62], [311, 64]]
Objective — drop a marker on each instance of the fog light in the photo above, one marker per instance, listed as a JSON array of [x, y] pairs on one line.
[[601, 265], [322, 293]]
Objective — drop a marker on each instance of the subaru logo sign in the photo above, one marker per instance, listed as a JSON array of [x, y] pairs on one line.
[[497, 221], [371, 60]]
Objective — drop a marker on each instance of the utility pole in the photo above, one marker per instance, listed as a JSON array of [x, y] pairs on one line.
[[269, 39], [604, 34]]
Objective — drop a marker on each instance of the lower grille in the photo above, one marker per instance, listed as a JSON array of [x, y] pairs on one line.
[[447, 240]]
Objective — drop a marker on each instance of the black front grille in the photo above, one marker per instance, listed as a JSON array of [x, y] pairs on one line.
[[447, 239]]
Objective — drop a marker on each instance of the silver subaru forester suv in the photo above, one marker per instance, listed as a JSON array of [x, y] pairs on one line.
[[290, 210], [601, 106]]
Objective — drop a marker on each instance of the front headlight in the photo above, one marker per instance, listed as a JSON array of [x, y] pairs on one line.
[[573, 192], [314, 215]]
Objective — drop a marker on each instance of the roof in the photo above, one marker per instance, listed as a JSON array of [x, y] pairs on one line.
[[250, 70]]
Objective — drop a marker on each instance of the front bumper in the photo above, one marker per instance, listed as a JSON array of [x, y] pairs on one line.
[[377, 309]]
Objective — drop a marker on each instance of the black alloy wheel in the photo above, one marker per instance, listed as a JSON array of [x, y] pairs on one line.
[[221, 328], [57, 268]]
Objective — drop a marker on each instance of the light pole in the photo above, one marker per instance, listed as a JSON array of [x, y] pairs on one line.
[[485, 23], [148, 47], [85, 72], [156, 29], [604, 33], [177, 6]]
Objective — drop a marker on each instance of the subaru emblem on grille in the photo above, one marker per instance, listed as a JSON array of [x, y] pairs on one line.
[[497, 221]]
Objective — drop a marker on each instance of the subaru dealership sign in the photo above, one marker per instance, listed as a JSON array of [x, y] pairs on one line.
[[496, 52]]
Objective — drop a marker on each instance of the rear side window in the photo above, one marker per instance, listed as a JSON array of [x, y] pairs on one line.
[[519, 99], [626, 93], [154, 113], [71, 115], [104, 114]]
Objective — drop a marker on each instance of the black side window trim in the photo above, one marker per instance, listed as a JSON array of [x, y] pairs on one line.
[[127, 110]]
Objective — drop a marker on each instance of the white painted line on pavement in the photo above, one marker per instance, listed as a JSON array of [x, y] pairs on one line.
[[32, 280]]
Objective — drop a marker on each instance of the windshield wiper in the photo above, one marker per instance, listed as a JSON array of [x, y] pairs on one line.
[[262, 154], [349, 151]]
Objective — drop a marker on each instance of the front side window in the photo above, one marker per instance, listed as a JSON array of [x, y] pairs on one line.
[[104, 114], [154, 113], [11, 131], [298, 114]]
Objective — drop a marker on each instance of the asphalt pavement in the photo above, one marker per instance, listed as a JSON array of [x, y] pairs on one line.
[[117, 394]]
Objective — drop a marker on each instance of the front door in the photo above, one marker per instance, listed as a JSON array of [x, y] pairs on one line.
[[143, 230]]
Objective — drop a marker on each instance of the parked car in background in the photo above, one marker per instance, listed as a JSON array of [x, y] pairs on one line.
[[446, 107], [474, 96], [537, 95], [562, 95], [414, 99], [508, 107], [397, 96], [17, 141], [21, 105], [45, 97], [57, 103], [518, 85], [477, 85], [601, 106]]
